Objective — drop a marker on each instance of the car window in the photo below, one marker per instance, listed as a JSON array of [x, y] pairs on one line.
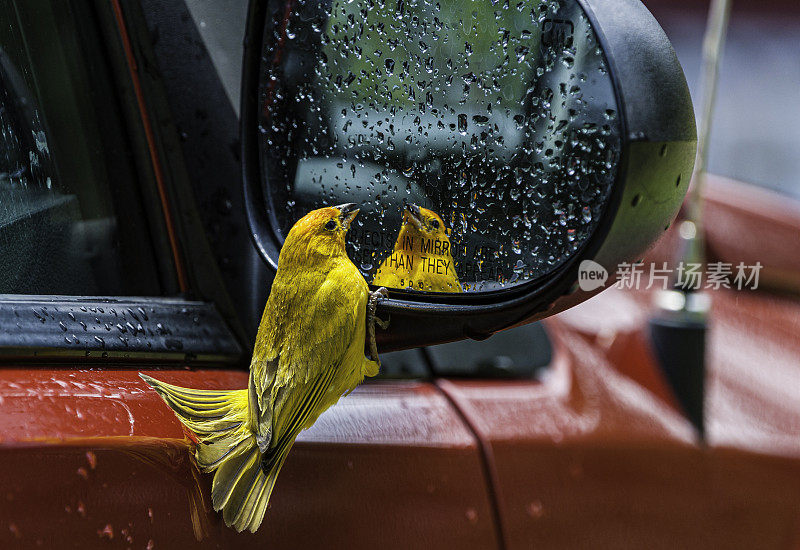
[[408, 363], [221, 24], [71, 220], [521, 352]]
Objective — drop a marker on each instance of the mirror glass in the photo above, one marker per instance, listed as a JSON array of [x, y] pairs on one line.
[[481, 139]]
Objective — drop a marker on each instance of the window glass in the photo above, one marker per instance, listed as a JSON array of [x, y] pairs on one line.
[[519, 353], [221, 25], [71, 220], [410, 363]]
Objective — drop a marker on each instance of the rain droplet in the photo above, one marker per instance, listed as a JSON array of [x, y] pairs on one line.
[[462, 124], [535, 509], [472, 515], [106, 532]]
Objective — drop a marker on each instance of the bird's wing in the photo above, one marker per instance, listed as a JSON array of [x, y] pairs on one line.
[[291, 371], [262, 375], [294, 408]]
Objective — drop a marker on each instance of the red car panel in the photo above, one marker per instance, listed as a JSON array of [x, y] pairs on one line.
[[95, 456], [589, 459]]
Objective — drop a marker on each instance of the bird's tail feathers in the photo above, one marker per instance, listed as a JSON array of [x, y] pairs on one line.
[[220, 419], [242, 487]]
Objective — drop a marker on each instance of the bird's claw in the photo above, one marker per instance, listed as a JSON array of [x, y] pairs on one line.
[[374, 298], [380, 322], [373, 319], [382, 292]]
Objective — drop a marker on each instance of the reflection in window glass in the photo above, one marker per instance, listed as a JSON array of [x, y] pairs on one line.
[[519, 353], [62, 182], [501, 119]]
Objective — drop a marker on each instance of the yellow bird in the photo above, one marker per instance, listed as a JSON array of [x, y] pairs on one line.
[[422, 257], [309, 352]]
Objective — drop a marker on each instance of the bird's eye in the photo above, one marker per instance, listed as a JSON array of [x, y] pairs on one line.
[[331, 225], [435, 224]]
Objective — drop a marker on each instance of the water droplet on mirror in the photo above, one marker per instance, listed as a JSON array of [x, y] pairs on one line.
[[462, 124]]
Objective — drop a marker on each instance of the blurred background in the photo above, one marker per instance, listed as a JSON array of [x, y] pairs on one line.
[[755, 133]]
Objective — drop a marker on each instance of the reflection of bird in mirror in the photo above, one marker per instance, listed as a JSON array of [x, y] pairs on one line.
[[422, 257], [309, 351]]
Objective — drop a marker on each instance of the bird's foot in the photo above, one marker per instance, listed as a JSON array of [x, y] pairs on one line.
[[373, 319], [381, 323], [374, 298], [382, 292]]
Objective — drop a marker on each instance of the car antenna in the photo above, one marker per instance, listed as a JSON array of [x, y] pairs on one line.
[[678, 329]]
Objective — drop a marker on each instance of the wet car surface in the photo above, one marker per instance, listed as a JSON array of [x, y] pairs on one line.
[[570, 438]]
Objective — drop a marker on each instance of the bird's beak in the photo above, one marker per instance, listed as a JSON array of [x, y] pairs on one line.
[[415, 216], [347, 213]]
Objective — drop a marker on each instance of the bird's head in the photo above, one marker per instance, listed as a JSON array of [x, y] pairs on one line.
[[320, 232], [427, 222]]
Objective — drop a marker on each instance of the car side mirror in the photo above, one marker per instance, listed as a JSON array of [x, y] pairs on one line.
[[494, 148]]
